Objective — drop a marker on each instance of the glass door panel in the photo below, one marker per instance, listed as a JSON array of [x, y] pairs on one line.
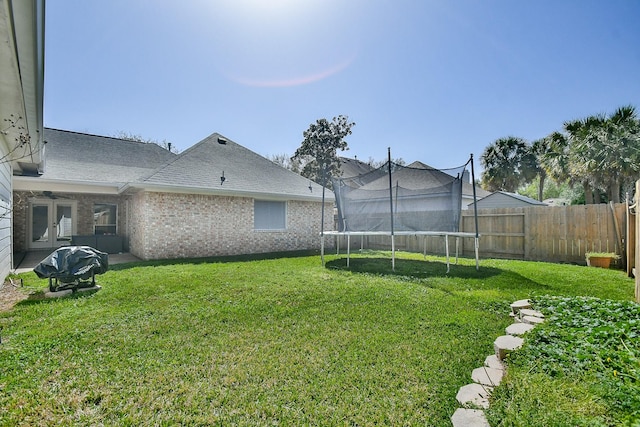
[[64, 224], [40, 225], [52, 223]]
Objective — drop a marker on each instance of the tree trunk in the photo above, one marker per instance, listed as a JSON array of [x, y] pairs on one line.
[[597, 195], [588, 195], [541, 186], [614, 191]]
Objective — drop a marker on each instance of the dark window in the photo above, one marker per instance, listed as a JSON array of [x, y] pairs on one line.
[[105, 218], [269, 215]]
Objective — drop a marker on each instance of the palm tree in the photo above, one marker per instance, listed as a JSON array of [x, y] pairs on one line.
[[503, 166], [534, 165], [604, 152], [620, 143], [582, 163]]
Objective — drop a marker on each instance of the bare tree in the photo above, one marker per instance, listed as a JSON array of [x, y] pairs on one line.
[[128, 136], [287, 162]]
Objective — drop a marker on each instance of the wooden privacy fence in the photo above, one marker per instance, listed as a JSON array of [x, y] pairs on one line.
[[539, 233], [543, 233]]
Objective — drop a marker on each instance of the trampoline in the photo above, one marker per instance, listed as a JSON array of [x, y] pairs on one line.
[[395, 200]]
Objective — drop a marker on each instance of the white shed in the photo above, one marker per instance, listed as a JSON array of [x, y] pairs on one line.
[[503, 199]]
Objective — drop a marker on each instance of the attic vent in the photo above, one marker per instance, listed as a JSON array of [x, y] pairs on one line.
[[222, 141]]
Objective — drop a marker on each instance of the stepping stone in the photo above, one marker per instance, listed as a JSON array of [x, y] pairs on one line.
[[474, 395], [532, 320], [505, 344], [492, 361], [519, 328], [529, 312], [487, 376], [519, 305], [469, 418]]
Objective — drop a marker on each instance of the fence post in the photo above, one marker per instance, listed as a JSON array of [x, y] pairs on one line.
[[637, 278], [630, 234], [526, 243]]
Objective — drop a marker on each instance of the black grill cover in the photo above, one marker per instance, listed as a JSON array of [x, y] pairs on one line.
[[71, 263]]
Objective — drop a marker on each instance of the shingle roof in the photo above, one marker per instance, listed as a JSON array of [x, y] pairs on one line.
[[414, 177], [73, 156], [202, 166], [501, 195], [353, 167], [79, 158], [521, 198]]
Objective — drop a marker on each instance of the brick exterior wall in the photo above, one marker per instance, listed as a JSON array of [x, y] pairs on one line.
[[19, 213], [167, 225], [84, 215]]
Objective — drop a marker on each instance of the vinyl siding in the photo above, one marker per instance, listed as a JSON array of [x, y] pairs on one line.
[[5, 219]]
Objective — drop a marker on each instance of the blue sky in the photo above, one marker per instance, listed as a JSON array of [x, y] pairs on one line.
[[435, 80]]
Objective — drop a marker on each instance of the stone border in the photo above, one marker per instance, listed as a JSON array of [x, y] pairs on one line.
[[474, 397]]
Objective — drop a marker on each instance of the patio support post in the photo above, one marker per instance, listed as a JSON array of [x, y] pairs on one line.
[[393, 246]]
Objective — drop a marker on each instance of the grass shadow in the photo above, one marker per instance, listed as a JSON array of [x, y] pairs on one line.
[[434, 274], [414, 268], [39, 297]]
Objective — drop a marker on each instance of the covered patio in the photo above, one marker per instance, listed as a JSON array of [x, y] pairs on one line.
[[25, 261]]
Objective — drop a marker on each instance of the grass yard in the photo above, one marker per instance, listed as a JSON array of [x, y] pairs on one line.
[[272, 341]]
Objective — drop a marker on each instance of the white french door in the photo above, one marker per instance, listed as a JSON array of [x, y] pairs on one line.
[[52, 223]]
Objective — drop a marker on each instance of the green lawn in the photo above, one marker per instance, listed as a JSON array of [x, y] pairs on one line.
[[273, 341]]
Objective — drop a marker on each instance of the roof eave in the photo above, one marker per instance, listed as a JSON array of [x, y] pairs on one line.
[[30, 183], [136, 187], [27, 18]]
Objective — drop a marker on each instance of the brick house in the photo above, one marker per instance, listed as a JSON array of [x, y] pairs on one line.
[[215, 198]]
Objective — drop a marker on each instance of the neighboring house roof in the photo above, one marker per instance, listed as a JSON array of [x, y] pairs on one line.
[[503, 199], [407, 177], [353, 167], [481, 193], [91, 161], [412, 177]]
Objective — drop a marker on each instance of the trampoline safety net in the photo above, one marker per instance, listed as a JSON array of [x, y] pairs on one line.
[[421, 198]]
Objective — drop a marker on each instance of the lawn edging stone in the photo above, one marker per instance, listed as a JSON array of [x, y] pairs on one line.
[[476, 395], [530, 312], [518, 329], [505, 344], [532, 320], [492, 361], [469, 417], [487, 376], [520, 305]]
